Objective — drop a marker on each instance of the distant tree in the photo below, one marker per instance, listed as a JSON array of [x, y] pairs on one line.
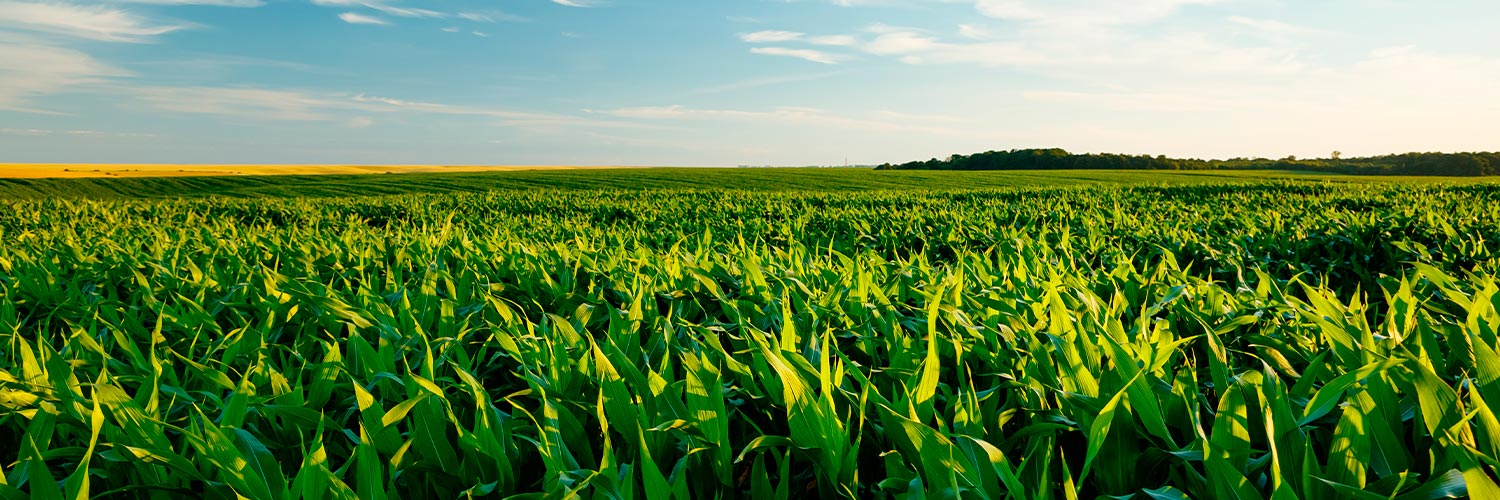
[[1465, 164]]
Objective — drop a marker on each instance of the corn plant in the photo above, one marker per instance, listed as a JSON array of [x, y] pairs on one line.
[[1275, 340]]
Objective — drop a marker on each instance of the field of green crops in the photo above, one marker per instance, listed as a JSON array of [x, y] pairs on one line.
[[754, 179], [1261, 339]]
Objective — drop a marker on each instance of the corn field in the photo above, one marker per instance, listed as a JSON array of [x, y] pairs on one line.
[[1254, 340]]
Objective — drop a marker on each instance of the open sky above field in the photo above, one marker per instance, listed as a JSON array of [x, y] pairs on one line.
[[729, 82]]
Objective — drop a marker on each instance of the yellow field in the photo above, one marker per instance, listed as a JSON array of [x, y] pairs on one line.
[[54, 170]]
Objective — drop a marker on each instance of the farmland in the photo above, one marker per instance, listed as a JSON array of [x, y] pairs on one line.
[[140, 170], [652, 334], [341, 184]]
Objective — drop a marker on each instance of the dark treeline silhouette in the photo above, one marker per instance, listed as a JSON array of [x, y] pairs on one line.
[[1453, 164]]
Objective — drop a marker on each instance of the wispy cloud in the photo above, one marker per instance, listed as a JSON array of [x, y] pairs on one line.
[[1393, 99], [504, 117], [213, 3], [32, 68], [264, 104], [783, 37], [867, 3], [1081, 35], [94, 22], [901, 42], [32, 132], [834, 40], [392, 8], [787, 116], [382, 7], [764, 82], [387, 104], [973, 32], [406, 11], [771, 36], [776, 36], [357, 18], [577, 3], [28, 132], [916, 47], [1086, 12], [1274, 28], [309, 106], [492, 16], [1053, 48], [816, 56]]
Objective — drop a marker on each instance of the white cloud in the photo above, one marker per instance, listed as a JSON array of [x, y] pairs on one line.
[[901, 43], [764, 82], [867, 3], [29, 132], [1394, 99], [776, 36], [1084, 35], [31, 68], [576, 3], [213, 3], [252, 103], [914, 47], [359, 122], [816, 56], [92, 22], [386, 104], [1202, 54], [771, 36], [75, 133], [1144, 77], [389, 8], [493, 16], [834, 40], [973, 32], [381, 7], [32, 132], [1065, 51], [1273, 28], [405, 12], [356, 18], [1085, 12]]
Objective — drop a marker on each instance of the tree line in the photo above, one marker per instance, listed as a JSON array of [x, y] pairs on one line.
[[1448, 164]]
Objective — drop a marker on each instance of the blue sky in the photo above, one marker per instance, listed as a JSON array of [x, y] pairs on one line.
[[730, 82]]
